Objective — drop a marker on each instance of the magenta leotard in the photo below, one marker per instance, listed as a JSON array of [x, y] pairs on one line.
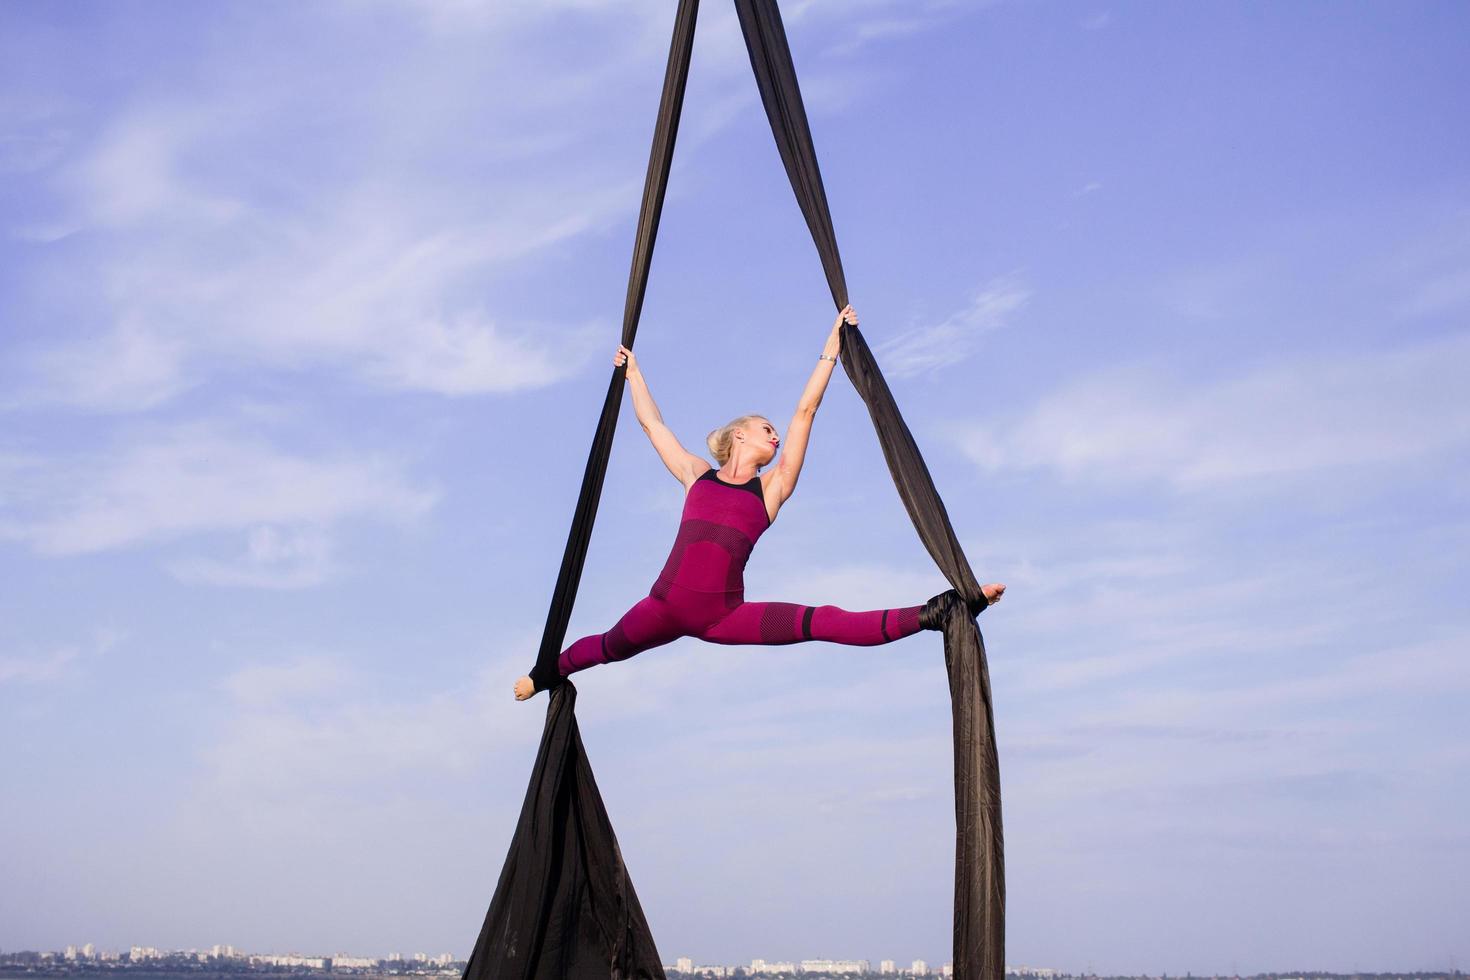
[[701, 590]]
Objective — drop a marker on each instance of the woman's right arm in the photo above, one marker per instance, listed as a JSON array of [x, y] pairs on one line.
[[683, 464]]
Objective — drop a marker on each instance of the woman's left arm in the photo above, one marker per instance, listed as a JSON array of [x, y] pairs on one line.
[[798, 433]]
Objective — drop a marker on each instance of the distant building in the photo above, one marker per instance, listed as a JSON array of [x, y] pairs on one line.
[[344, 962], [886, 966], [684, 964], [291, 959], [765, 967], [834, 966], [919, 969]]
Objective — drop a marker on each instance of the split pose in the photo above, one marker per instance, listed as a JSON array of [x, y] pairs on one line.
[[701, 590]]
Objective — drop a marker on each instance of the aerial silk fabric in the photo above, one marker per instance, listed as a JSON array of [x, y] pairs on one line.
[[564, 906], [979, 873]]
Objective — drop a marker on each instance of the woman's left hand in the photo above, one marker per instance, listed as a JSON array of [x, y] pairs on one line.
[[848, 314]]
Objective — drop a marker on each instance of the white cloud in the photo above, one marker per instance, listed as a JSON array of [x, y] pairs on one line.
[[61, 662], [314, 726], [954, 338], [128, 368], [1183, 739], [1307, 416], [847, 26], [263, 685], [366, 286], [877, 29], [201, 478], [274, 558], [507, 16], [207, 257], [133, 173], [928, 348], [43, 668], [470, 355]]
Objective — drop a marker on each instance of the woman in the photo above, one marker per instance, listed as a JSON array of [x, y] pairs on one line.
[[701, 590]]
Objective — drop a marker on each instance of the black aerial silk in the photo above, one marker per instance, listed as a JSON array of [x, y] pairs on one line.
[[564, 908]]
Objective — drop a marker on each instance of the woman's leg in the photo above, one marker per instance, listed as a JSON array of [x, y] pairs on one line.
[[648, 624], [777, 623]]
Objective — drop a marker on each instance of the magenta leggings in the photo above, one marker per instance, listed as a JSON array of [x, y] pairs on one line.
[[710, 616]]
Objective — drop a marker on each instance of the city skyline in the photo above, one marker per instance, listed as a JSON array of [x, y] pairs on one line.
[[140, 953], [351, 963]]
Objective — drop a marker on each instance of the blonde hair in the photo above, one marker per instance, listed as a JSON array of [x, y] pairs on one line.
[[722, 440]]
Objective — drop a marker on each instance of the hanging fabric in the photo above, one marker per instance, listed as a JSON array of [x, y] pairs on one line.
[[564, 906], [979, 872]]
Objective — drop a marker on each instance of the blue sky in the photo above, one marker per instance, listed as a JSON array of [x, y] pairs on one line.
[[307, 312]]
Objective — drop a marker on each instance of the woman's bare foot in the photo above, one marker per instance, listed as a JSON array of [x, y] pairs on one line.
[[524, 688], [933, 614]]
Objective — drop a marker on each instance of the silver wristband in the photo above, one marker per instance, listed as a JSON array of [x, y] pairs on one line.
[[824, 357]]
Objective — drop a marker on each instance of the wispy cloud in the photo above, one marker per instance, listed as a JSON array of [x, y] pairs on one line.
[[130, 367], [274, 558], [876, 30], [1159, 738], [59, 663], [204, 258], [43, 668], [859, 24], [199, 478], [375, 284], [262, 685], [312, 725], [135, 171], [949, 342], [1254, 433]]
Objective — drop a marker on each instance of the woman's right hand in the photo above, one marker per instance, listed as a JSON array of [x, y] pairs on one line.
[[624, 354]]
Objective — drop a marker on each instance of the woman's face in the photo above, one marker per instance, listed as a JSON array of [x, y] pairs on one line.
[[761, 436]]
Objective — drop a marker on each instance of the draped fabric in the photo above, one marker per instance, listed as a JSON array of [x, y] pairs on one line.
[[564, 906], [671, 103], [979, 873]]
